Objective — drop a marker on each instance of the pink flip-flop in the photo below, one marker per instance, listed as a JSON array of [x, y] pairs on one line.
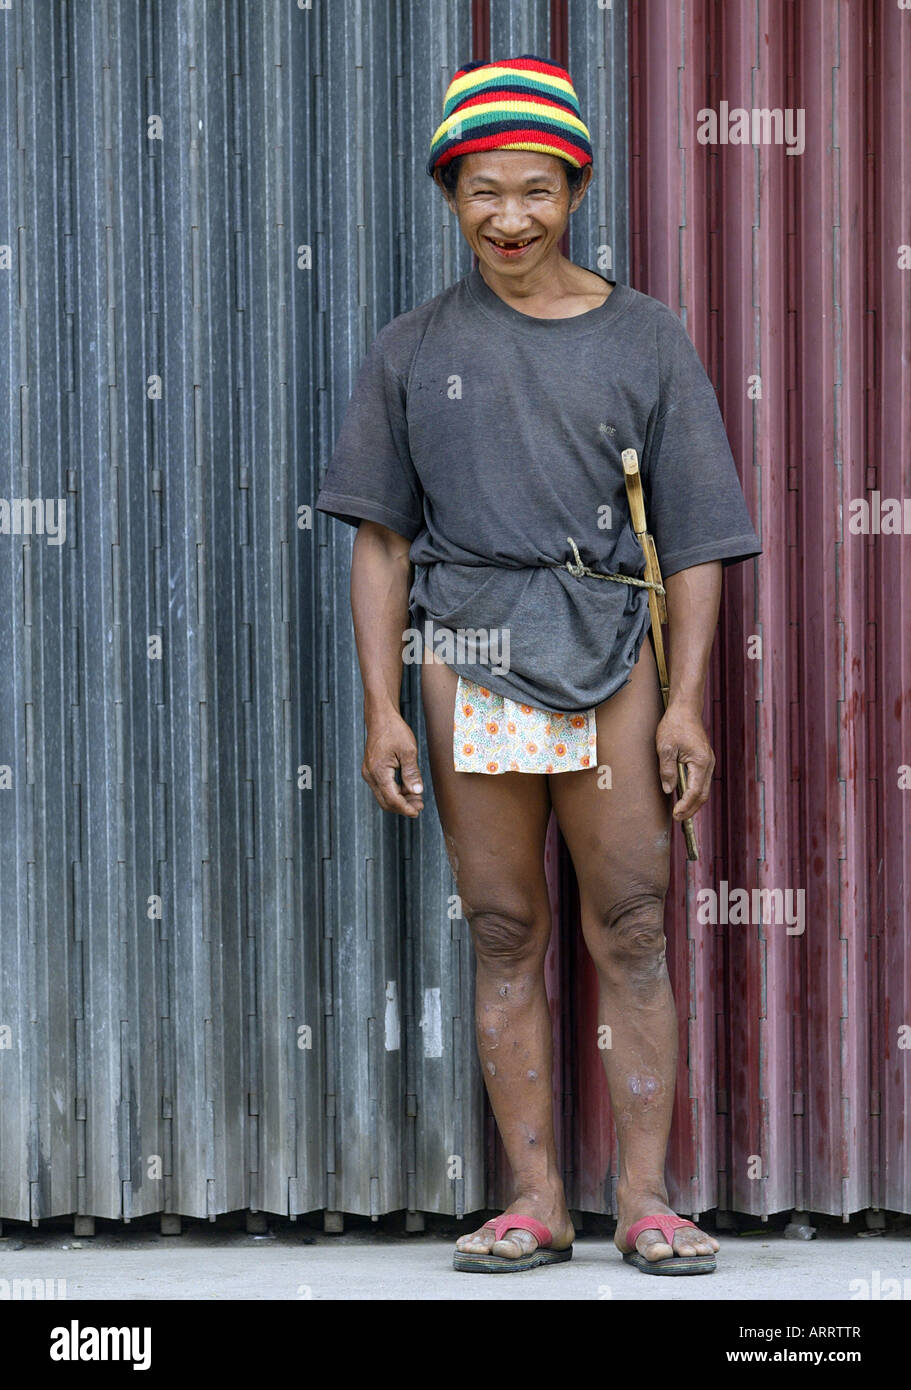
[[502, 1264], [673, 1264]]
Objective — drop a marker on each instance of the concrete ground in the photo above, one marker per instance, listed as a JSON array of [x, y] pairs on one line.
[[293, 1262]]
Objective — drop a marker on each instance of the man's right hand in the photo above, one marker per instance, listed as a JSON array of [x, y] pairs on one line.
[[392, 746]]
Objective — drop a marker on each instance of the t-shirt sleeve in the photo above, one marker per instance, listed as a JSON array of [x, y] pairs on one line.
[[696, 510], [371, 475]]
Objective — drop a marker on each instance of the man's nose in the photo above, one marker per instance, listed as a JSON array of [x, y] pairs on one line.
[[511, 218]]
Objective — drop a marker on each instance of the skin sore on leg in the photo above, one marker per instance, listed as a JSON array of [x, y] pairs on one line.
[[450, 843], [645, 1086], [491, 1029], [634, 948]]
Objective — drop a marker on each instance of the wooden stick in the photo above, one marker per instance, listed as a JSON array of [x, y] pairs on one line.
[[657, 608]]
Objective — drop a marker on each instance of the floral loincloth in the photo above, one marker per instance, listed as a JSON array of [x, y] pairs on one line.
[[491, 733]]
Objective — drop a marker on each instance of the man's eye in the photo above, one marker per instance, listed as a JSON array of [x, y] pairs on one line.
[[489, 193]]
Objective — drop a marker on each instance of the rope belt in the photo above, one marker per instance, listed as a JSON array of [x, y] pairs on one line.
[[577, 569]]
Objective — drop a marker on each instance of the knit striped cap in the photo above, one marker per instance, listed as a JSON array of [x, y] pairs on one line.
[[524, 103]]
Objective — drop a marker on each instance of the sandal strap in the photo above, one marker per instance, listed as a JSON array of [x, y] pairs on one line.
[[667, 1225], [513, 1221]]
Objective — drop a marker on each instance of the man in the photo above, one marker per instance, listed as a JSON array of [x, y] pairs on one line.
[[486, 429]]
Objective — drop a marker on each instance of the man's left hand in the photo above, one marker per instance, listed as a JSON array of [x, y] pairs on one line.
[[681, 736]]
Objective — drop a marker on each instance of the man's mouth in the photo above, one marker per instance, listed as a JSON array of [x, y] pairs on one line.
[[511, 248]]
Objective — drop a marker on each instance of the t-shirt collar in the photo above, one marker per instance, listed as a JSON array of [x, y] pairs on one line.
[[576, 326]]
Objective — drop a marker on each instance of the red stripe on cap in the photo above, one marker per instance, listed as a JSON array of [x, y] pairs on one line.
[[499, 97], [495, 141], [518, 65], [530, 65]]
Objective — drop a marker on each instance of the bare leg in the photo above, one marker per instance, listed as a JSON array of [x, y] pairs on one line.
[[619, 840], [494, 829]]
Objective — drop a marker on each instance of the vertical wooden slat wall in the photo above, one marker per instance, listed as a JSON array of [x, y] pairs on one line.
[[227, 980], [788, 272], [884, 194]]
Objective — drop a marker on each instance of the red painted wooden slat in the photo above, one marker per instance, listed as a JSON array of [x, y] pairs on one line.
[[751, 198], [793, 1087], [787, 266], [889, 448]]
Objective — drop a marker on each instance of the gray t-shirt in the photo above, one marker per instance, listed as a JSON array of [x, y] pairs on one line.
[[486, 437]]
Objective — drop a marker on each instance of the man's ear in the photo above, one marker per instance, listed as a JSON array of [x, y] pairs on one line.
[[439, 182], [587, 176]]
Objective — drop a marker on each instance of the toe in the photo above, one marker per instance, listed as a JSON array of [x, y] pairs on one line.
[[688, 1242], [477, 1243], [653, 1246], [691, 1243], [515, 1244]]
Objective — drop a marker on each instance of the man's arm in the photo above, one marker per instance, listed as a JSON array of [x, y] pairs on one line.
[[693, 598], [380, 582]]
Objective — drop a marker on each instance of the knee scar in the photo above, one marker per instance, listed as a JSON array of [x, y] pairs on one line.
[[502, 935], [633, 930]]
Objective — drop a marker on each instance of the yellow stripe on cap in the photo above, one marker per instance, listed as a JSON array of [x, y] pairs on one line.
[[542, 149], [517, 106], [484, 74]]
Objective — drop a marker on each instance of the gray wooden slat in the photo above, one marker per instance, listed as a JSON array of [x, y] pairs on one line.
[[156, 1060], [362, 875], [447, 1126], [599, 229]]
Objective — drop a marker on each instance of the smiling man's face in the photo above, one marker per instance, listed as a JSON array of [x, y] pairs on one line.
[[513, 206]]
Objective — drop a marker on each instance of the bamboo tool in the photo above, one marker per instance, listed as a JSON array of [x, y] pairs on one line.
[[657, 608]]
